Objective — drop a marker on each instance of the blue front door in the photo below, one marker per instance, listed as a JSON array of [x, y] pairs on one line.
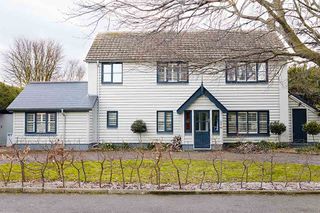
[[299, 117], [202, 129]]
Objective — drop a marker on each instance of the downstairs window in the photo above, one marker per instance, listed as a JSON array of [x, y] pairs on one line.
[[164, 121], [248, 123], [40, 123]]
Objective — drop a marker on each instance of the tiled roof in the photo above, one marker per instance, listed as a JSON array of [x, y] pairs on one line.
[[185, 46], [70, 96]]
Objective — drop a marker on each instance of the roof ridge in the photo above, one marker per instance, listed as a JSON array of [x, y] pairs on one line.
[[56, 82], [188, 31]]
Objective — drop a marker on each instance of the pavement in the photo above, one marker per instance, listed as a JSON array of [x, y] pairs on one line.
[[65, 203]]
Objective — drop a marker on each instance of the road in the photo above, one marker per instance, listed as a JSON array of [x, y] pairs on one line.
[[65, 203]]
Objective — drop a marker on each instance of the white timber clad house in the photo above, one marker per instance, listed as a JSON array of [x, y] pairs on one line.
[[209, 87]]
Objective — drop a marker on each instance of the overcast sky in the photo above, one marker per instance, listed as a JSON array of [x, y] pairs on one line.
[[44, 19]]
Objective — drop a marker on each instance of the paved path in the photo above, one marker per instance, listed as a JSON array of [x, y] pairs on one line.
[[64, 203]]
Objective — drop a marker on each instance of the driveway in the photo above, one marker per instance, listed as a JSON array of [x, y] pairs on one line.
[[53, 203]]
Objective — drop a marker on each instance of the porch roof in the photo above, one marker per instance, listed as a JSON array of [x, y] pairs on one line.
[[198, 93]]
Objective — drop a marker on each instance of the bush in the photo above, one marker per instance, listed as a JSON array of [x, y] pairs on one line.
[[277, 128], [107, 146], [176, 144], [246, 148], [264, 145], [312, 128], [139, 126], [125, 146]]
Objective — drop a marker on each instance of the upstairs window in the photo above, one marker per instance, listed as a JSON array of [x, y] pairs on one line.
[[246, 72], [40, 123], [164, 121], [172, 72], [112, 73]]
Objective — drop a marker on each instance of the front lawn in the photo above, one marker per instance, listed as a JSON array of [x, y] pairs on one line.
[[199, 171]]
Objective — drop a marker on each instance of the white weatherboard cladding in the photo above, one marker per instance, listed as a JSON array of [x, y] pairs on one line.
[[312, 115], [77, 129], [140, 97]]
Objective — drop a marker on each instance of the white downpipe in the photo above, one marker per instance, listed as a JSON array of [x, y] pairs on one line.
[[64, 126], [98, 103]]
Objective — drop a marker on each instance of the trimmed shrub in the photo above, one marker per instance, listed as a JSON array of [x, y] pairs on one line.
[[139, 126], [277, 128], [312, 128]]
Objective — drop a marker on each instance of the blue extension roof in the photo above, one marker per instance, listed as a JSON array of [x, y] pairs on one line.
[[54, 96], [200, 92]]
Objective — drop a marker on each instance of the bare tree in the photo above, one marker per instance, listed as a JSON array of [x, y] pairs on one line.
[[73, 70], [176, 168], [102, 157], [21, 155], [296, 21], [61, 157], [32, 60]]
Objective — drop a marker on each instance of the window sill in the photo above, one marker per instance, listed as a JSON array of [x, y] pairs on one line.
[[182, 82], [246, 82], [109, 83], [165, 133], [248, 135], [40, 134]]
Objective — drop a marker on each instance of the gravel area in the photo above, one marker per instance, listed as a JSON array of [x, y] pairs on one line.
[[236, 186]]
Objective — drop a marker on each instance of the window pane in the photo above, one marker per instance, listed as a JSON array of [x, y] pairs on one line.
[[106, 72], [41, 122], [241, 72], [231, 72], [242, 122], [251, 72], [51, 122], [162, 73], [263, 122], [262, 71], [173, 70], [117, 73], [107, 77], [215, 121], [112, 119], [187, 121], [161, 121], [168, 121], [183, 72], [117, 77], [252, 122], [232, 122], [197, 122], [117, 68], [204, 116], [30, 122]]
